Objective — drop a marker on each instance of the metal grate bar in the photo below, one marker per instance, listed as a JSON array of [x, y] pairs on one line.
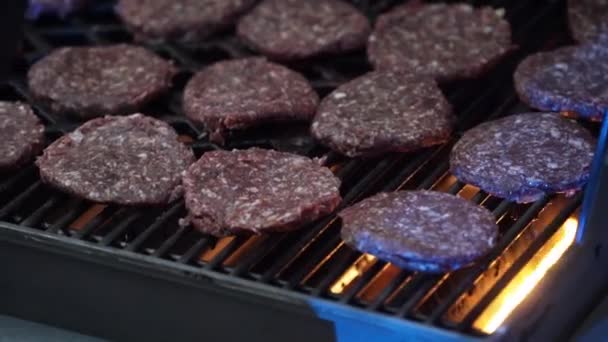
[[108, 213], [314, 261], [157, 224], [483, 264], [168, 243], [196, 250], [120, 228], [34, 219], [340, 265], [358, 284], [389, 288], [72, 213], [416, 289], [19, 200], [523, 259], [230, 248]]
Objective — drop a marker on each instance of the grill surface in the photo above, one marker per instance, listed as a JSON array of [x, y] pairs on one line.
[[311, 261]]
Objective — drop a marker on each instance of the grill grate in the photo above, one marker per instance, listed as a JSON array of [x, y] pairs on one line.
[[310, 261]]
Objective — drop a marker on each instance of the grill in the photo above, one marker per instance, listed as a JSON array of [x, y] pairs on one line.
[[134, 273]]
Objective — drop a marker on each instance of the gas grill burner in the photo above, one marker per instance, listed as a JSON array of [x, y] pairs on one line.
[[134, 273]]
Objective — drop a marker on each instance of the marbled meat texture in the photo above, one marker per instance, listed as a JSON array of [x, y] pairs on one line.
[[22, 135], [300, 29], [444, 41], [59, 7], [241, 93], [524, 157], [257, 191], [420, 230], [87, 82], [587, 19], [130, 160], [571, 79], [381, 112], [186, 21]]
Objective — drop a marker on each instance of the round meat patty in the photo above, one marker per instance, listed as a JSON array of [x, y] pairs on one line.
[[257, 191], [524, 157], [444, 41], [22, 135], [241, 93], [420, 230], [300, 29], [86, 82], [129, 160], [570, 79], [186, 21], [381, 112], [587, 19]]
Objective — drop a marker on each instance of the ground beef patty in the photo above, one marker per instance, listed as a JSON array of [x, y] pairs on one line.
[[381, 112], [93, 81], [187, 21], [60, 7], [587, 19], [130, 160], [22, 135], [241, 93], [569, 79], [420, 230], [299, 29], [257, 191], [524, 157], [444, 41]]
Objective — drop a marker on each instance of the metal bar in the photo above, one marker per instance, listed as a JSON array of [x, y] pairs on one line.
[[230, 248], [72, 213], [388, 290], [108, 213], [420, 285], [482, 265], [361, 281], [34, 218], [313, 261], [522, 260], [159, 222], [197, 249], [120, 228], [339, 267], [170, 242], [18, 201]]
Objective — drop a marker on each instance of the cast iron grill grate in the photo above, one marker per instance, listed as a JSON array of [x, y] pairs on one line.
[[313, 261]]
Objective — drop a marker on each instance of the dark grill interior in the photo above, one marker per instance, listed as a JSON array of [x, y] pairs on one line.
[[313, 260]]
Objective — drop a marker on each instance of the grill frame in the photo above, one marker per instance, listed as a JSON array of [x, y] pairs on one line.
[[38, 249]]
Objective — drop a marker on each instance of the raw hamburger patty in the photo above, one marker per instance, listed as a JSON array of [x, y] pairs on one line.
[[569, 79], [299, 29], [22, 135], [523, 157], [188, 21], [383, 111], [443, 41], [241, 93], [257, 191], [420, 230], [59, 7], [93, 81], [587, 18], [130, 160]]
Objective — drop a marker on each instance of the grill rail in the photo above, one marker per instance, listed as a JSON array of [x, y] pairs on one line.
[[312, 261]]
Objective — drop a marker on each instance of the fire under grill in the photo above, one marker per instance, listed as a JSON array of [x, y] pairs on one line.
[[312, 264]]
